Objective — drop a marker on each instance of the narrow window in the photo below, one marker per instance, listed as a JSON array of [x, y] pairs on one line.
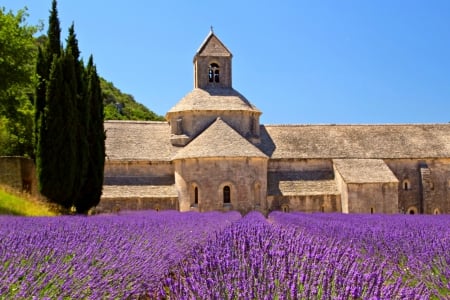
[[436, 211], [196, 195], [285, 208], [371, 210], [210, 75], [226, 194], [322, 208], [214, 73], [406, 185]]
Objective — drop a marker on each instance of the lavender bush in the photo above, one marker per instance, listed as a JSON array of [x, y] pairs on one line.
[[101, 257], [327, 256], [172, 255]]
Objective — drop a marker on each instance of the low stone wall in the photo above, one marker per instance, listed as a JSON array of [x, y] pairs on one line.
[[107, 205], [18, 173]]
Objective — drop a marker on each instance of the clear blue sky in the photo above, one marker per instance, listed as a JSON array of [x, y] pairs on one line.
[[302, 62]]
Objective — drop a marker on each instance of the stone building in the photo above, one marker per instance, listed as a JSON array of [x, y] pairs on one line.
[[213, 154]]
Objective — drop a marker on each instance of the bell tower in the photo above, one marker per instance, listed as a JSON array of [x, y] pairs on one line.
[[212, 64]]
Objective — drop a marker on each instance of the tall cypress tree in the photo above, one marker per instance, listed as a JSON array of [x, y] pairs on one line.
[[44, 63], [70, 138], [54, 33], [81, 115], [56, 146], [92, 189]]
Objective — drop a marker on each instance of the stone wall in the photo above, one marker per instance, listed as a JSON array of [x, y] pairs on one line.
[[18, 173], [246, 178], [138, 173], [432, 196], [305, 203], [137, 203], [373, 198]]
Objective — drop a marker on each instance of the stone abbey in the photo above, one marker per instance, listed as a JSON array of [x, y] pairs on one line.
[[213, 154]]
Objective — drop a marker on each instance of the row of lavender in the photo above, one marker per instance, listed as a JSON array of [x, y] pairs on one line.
[[319, 256], [223, 256], [100, 257]]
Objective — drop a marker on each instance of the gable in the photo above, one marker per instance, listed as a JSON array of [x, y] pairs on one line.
[[219, 140], [212, 46]]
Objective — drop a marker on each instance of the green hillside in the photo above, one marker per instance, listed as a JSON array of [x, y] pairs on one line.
[[121, 106]]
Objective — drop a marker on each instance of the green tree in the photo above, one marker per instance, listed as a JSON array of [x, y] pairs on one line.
[[80, 114], [17, 78], [92, 188], [52, 49], [56, 155]]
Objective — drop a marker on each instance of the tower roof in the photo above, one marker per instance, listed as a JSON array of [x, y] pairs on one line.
[[219, 140], [213, 99], [212, 46]]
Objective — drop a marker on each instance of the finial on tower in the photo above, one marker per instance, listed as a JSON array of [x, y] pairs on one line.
[[212, 29]]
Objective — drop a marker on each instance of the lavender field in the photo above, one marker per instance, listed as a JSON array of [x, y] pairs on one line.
[[172, 255]]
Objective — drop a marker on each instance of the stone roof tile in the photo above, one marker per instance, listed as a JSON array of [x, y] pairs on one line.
[[364, 171], [138, 191], [134, 141], [213, 99], [219, 140], [356, 141]]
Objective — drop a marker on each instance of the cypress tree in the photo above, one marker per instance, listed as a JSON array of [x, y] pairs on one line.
[[43, 66], [56, 155], [53, 33], [80, 114], [92, 189]]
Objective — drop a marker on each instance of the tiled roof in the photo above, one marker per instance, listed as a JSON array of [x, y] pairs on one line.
[[356, 141], [133, 140], [150, 141], [213, 99], [219, 140], [138, 191], [212, 46], [364, 171]]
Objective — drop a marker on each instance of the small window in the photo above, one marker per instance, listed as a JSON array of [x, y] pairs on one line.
[[322, 208], [406, 185], [285, 208], [436, 211], [226, 195], [372, 210], [213, 73], [412, 210], [196, 195]]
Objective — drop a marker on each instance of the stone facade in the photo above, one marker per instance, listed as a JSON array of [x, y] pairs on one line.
[[213, 154]]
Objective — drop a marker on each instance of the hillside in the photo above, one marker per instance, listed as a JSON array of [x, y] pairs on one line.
[[121, 106]]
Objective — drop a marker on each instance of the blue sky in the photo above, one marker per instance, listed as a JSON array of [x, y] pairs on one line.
[[299, 62]]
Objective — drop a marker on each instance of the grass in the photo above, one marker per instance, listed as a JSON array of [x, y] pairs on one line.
[[22, 205]]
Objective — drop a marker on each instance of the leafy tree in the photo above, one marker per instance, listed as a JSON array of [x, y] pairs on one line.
[[17, 59], [121, 106]]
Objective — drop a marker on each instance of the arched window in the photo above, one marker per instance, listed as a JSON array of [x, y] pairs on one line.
[[213, 73], [406, 185], [226, 194], [436, 211], [372, 210], [196, 196], [412, 210]]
